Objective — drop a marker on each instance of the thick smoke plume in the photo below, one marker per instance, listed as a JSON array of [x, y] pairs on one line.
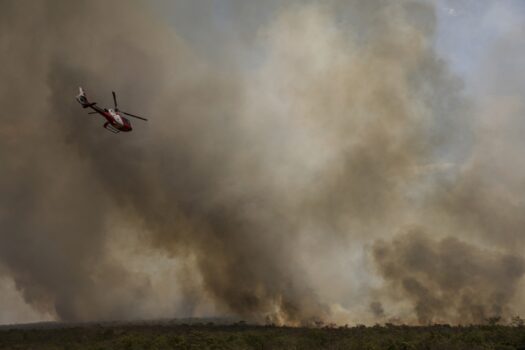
[[254, 189], [449, 279]]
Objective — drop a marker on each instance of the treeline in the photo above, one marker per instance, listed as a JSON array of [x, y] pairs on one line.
[[243, 336]]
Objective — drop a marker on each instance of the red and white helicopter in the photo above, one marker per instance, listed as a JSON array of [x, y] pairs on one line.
[[115, 122]]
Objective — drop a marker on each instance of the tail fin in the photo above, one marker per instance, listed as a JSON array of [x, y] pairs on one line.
[[82, 98]]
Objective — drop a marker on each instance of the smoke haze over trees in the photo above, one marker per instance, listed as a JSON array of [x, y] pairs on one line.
[[335, 170]]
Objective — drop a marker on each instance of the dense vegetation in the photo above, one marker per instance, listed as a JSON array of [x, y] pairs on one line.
[[241, 336]]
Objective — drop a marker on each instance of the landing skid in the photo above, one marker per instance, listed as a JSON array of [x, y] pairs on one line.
[[111, 128]]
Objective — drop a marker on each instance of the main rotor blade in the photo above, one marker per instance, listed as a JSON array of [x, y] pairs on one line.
[[115, 100], [134, 116]]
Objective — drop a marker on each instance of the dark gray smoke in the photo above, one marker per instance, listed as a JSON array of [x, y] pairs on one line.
[[334, 132], [449, 279]]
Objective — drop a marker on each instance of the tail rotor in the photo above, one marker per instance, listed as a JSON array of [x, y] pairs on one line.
[[82, 99]]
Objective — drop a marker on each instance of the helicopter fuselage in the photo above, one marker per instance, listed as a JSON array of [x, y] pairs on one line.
[[114, 121]]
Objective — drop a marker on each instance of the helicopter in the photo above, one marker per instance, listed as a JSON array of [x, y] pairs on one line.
[[115, 122]]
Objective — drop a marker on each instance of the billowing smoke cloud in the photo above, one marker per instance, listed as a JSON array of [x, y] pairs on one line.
[[449, 279], [342, 128], [179, 181]]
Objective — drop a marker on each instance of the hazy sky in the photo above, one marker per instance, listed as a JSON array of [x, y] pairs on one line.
[[465, 30], [468, 28]]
